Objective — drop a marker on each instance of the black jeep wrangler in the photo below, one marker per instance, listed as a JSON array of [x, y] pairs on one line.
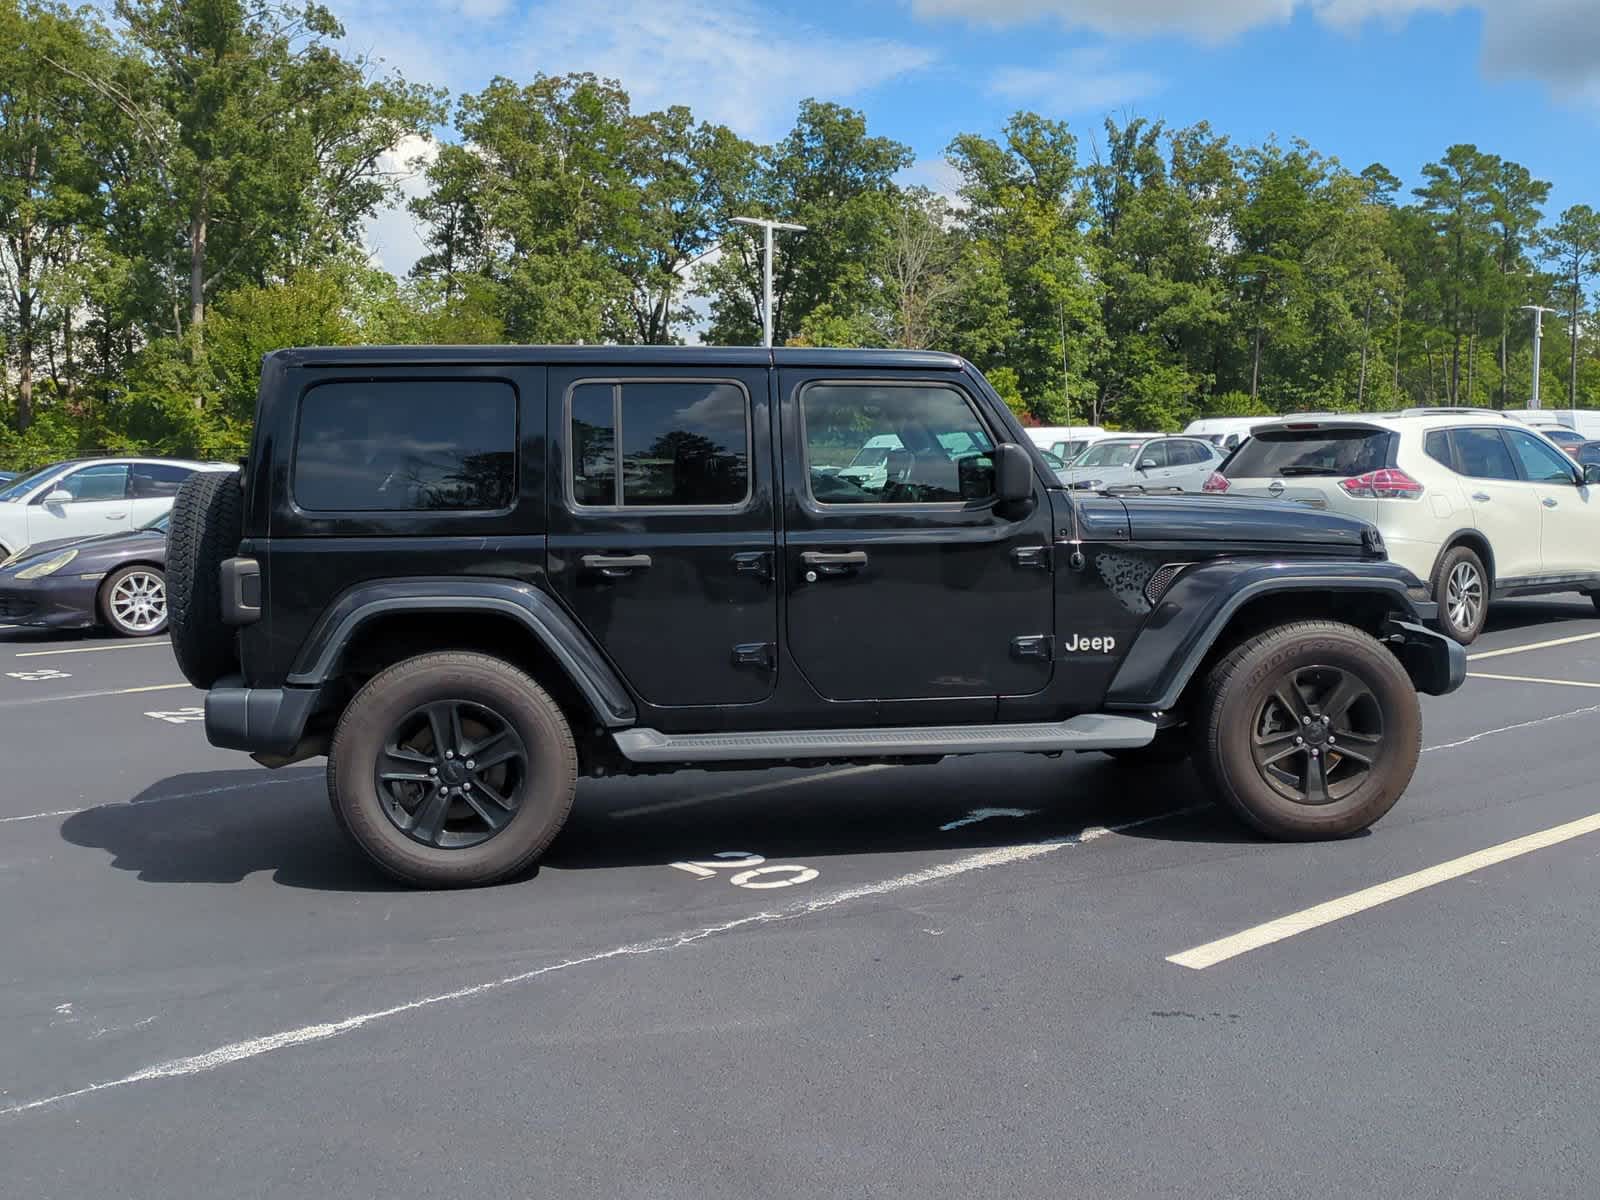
[[470, 575]]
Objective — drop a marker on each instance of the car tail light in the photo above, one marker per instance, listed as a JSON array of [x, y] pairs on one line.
[[1387, 484], [1215, 484]]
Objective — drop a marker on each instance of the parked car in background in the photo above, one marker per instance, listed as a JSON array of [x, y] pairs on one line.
[[1560, 424], [116, 579], [84, 497], [1587, 454], [1147, 461], [1474, 503], [1226, 433], [1568, 439], [7, 476], [1066, 442]]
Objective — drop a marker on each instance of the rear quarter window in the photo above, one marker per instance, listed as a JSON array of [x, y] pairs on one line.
[[1291, 452], [391, 445]]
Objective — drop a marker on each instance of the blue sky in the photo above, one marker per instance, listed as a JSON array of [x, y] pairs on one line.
[[1394, 81]]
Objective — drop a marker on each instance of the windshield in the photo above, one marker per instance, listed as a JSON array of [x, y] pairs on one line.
[[1108, 454], [24, 484], [1288, 453]]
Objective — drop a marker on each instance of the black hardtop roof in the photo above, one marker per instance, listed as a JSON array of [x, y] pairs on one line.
[[728, 356]]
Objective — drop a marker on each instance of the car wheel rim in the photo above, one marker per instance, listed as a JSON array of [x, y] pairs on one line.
[[452, 774], [139, 602], [1464, 596], [1318, 735]]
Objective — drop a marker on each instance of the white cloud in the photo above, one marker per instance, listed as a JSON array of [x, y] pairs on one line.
[[1556, 42], [938, 175], [393, 240], [731, 61], [1086, 79]]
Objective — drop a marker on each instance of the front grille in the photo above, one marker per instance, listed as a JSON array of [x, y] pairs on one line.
[[1160, 581]]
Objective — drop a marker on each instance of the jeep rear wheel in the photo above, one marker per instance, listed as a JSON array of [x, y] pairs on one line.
[[1310, 730], [452, 770]]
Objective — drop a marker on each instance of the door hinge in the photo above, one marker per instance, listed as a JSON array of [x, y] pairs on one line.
[[756, 654], [1033, 645], [754, 562], [1032, 558]]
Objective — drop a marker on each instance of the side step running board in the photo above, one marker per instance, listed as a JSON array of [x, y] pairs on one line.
[[1092, 731]]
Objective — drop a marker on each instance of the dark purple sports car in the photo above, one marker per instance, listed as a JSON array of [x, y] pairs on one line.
[[117, 580]]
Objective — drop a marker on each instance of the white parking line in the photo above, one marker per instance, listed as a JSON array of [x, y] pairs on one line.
[[235, 1052], [1221, 950], [1566, 641], [688, 801], [216, 791], [156, 687], [1532, 679], [131, 645]]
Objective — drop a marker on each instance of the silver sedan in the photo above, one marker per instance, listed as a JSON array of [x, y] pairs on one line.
[[1148, 463]]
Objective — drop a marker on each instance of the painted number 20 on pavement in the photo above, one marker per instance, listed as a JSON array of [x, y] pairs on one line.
[[751, 873]]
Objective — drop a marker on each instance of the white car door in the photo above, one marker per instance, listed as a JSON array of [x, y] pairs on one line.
[[1192, 463], [1569, 528], [1158, 472], [96, 502], [1505, 508], [153, 487]]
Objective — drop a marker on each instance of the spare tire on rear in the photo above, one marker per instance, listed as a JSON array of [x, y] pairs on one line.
[[205, 529]]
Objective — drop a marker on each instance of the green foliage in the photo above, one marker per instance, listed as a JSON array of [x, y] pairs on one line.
[[186, 192]]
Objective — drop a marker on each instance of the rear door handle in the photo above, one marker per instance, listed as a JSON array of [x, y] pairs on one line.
[[1548, 502], [616, 566], [831, 562], [1481, 497]]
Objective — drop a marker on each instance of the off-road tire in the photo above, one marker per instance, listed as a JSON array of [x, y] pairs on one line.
[[1454, 557], [1241, 682], [207, 517], [108, 613], [474, 678]]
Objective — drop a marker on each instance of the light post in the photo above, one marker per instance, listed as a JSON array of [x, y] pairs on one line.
[[766, 227], [1538, 333]]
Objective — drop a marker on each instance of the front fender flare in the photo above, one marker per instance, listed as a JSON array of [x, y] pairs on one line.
[[1203, 599], [320, 657]]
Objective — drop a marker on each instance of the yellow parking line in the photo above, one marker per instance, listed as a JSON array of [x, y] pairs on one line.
[[1212, 953], [1531, 679], [91, 649], [1566, 641]]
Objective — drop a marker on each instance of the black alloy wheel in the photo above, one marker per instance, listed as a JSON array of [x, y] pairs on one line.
[[452, 774], [1317, 735]]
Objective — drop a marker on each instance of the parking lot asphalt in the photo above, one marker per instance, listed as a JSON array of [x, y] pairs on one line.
[[910, 981]]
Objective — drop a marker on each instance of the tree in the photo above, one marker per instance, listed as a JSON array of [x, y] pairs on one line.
[[1460, 201], [1574, 247], [919, 270], [837, 180]]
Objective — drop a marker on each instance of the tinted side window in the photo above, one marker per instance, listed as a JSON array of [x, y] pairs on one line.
[[1437, 447], [1540, 463], [1187, 454], [876, 444], [107, 482], [1482, 454], [660, 444], [1155, 452], [406, 446], [153, 480], [1589, 455]]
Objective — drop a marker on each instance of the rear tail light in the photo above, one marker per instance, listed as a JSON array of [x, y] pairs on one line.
[[1387, 484], [1215, 484]]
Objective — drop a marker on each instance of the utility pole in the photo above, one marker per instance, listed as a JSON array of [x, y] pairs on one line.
[[1538, 333], [766, 228]]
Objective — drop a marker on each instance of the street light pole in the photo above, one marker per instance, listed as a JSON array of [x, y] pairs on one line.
[[766, 228], [1538, 333]]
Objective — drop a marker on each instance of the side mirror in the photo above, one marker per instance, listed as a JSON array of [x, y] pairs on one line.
[[59, 496], [1148, 464], [1013, 473], [1591, 474]]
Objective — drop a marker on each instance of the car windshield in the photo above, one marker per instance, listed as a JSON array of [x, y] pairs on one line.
[[24, 484], [1290, 452], [1108, 454]]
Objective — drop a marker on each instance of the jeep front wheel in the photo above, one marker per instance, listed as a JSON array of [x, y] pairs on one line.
[[452, 770], [1310, 730]]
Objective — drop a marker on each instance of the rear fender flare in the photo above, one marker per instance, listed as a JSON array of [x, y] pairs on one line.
[[1196, 610], [321, 657]]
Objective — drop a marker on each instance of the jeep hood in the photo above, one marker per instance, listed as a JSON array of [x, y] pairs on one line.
[[1206, 518]]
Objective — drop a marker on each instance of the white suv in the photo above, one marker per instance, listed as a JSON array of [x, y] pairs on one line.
[[1478, 505]]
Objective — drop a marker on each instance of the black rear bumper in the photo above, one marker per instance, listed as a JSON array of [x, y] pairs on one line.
[[1437, 664], [268, 721]]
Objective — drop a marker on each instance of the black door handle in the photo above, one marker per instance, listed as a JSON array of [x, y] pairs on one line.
[[831, 562], [615, 566]]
